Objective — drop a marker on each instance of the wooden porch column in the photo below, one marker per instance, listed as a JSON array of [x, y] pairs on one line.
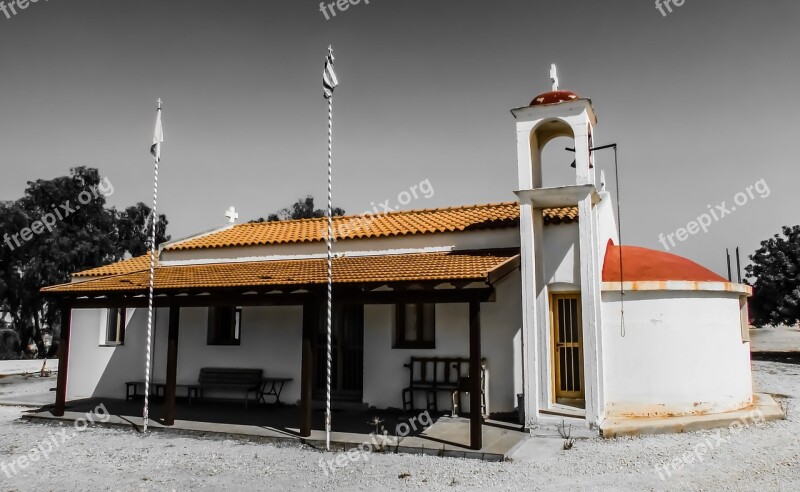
[[63, 360], [475, 387], [310, 313], [172, 365]]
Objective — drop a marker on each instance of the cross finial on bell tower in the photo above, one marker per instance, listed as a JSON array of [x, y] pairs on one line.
[[554, 76]]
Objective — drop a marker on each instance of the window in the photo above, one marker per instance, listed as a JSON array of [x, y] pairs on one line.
[[115, 326], [224, 326], [415, 326]]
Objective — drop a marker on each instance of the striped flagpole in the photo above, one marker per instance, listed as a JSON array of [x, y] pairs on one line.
[[329, 82], [330, 272], [156, 151]]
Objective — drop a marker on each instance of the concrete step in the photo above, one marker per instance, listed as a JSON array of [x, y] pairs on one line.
[[764, 408]]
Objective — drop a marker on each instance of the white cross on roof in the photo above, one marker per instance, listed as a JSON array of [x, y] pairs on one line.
[[231, 215]]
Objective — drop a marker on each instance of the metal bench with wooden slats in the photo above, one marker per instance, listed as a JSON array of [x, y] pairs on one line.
[[245, 380], [157, 389]]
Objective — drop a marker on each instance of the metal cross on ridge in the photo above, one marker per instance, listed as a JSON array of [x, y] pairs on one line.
[[231, 215], [554, 76]]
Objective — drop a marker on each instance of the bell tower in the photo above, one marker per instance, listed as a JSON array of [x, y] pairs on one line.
[[553, 114]]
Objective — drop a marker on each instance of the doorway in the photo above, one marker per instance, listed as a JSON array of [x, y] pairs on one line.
[[567, 328], [347, 350]]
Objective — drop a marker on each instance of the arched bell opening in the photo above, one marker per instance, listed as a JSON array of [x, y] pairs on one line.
[[560, 163], [548, 143]]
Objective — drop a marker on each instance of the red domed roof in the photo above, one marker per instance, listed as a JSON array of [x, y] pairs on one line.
[[554, 97], [642, 264]]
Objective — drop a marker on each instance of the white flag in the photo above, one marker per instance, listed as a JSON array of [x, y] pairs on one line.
[[329, 80], [158, 138]]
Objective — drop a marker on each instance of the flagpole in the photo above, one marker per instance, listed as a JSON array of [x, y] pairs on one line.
[[329, 83], [154, 220], [330, 271]]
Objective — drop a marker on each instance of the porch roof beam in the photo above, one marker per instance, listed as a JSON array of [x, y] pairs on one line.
[[412, 296], [345, 295], [191, 301]]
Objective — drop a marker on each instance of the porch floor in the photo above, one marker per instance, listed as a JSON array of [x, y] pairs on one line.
[[351, 428]]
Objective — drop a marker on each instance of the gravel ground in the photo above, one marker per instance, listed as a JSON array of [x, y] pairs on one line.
[[775, 339], [757, 458], [25, 384], [8, 367]]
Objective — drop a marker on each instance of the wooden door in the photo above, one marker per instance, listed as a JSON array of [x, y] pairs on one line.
[[347, 344], [567, 348]]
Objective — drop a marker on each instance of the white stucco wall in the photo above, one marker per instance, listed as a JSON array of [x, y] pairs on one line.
[[562, 256], [97, 370], [682, 353], [271, 340], [501, 321], [606, 224]]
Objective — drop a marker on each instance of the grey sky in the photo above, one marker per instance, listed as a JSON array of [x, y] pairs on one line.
[[701, 103]]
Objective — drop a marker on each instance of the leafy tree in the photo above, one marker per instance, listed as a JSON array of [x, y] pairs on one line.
[[775, 277], [12, 218], [134, 229], [82, 235], [61, 226], [9, 344], [302, 209]]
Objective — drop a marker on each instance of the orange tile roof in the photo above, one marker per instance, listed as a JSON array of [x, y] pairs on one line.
[[465, 266], [555, 216], [391, 224], [130, 265], [384, 225]]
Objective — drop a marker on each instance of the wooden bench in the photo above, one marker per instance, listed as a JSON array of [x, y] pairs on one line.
[[434, 375], [244, 380]]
